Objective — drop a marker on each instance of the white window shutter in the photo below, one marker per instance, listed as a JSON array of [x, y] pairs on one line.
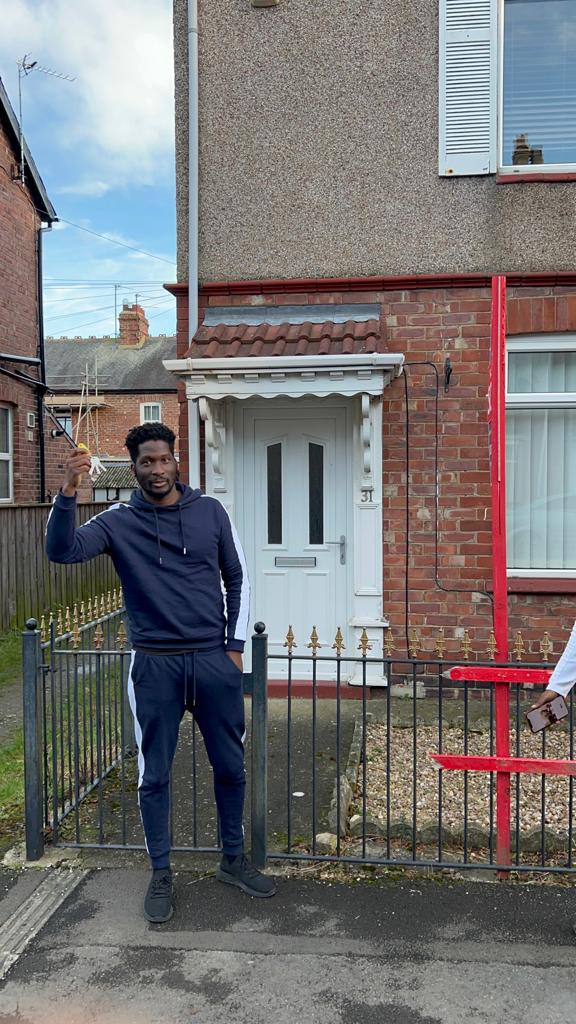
[[468, 87]]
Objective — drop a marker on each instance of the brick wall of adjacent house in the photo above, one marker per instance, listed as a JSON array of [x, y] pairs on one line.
[[449, 586], [120, 413], [18, 315]]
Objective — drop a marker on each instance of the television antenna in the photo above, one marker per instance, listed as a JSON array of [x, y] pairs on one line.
[[25, 68]]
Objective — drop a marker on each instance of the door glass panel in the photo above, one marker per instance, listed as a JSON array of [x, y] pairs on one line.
[[316, 493], [274, 467]]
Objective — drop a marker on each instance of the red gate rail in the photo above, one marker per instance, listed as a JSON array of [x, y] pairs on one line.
[[502, 763]]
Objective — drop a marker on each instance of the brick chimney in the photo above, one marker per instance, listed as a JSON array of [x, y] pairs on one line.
[[133, 325]]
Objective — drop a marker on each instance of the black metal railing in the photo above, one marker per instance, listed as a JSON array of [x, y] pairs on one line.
[[340, 774]]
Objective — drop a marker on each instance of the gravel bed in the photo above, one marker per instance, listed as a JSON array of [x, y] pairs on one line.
[[557, 803]]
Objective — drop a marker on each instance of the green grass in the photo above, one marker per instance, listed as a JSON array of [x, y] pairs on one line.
[[11, 791], [10, 658]]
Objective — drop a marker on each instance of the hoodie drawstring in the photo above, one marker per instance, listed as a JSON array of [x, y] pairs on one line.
[[181, 528], [158, 537]]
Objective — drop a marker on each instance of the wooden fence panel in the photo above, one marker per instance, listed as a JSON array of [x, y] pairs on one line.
[[30, 585]]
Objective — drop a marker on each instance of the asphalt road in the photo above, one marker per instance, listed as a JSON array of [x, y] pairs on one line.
[[452, 952]]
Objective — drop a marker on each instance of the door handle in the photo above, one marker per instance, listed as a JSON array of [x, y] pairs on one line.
[[342, 545]]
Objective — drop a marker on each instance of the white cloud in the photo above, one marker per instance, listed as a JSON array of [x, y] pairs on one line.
[[120, 108], [95, 189]]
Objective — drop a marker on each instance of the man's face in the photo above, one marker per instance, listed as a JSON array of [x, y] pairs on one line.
[[156, 470]]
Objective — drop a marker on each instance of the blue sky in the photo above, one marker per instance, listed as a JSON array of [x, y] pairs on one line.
[[104, 146]]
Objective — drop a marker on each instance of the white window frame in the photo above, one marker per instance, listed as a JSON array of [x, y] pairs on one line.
[[536, 400], [470, 111], [532, 169], [143, 406], [9, 456]]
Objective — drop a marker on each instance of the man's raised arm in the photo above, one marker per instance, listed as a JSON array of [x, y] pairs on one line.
[[64, 543]]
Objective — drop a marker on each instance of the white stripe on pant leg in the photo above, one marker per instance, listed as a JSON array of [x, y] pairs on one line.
[[138, 735]]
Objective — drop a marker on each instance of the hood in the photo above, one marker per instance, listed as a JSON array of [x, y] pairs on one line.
[[189, 495]]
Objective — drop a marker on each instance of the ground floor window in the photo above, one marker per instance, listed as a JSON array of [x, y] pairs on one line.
[[5, 453], [541, 455]]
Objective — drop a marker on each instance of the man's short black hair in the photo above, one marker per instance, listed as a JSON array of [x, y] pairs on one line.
[[148, 432]]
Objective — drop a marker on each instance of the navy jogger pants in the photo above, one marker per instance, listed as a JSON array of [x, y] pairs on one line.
[[160, 688]]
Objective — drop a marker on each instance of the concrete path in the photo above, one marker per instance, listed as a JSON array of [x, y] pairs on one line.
[[390, 953]]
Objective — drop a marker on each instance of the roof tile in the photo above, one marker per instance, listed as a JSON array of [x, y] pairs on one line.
[[223, 341]]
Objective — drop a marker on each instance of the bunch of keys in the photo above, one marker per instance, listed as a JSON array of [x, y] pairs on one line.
[[96, 467]]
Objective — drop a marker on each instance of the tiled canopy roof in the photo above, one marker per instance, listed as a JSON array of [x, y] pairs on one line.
[[307, 339]]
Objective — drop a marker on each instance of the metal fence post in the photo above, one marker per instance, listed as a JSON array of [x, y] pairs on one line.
[[259, 818], [33, 741]]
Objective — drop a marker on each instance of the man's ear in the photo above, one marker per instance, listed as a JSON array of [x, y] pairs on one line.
[[133, 468]]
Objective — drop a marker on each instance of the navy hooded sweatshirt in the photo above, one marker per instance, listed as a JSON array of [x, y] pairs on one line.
[[173, 562]]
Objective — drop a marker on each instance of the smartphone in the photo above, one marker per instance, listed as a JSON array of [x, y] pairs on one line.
[[548, 714]]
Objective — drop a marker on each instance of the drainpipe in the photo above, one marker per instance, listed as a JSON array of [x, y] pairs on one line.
[[42, 356], [193, 422], [192, 168]]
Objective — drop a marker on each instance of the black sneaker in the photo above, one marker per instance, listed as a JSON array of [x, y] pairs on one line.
[[240, 872], [158, 902]]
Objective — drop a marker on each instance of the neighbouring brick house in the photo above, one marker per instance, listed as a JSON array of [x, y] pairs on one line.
[[110, 385], [356, 200], [29, 454]]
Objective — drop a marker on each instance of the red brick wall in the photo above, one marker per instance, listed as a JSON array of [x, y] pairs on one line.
[[121, 412], [427, 325], [19, 224]]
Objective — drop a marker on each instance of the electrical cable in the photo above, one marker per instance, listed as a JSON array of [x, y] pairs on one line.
[[115, 241], [439, 585], [102, 319], [87, 312]]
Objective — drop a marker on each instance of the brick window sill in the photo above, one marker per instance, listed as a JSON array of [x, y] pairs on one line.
[[537, 585], [513, 179]]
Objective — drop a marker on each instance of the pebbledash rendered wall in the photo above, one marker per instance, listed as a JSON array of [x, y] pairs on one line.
[[427, 324], [318, 130]]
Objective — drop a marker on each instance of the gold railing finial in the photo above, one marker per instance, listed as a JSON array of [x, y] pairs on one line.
[[68, 620], [43, 629], [491, 646], [413, 643], [102, 606], [75, 628], [546, 647], [121, 637], [519, 647], [98, 637], [115, 599], [59, 623], [466, 645], [82, 614], [339, 644], [89, 612], [290, 641], [109, 607], [388, 642], [314, 642], [440, 645], [364, 644]]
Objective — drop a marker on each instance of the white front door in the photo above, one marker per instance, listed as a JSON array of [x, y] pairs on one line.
[[294, 482]]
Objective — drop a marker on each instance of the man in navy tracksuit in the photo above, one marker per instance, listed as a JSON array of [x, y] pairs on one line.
[[173, 548]]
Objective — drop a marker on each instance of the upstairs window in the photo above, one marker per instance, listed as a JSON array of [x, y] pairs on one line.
[[539, 85], [151, 412], [507, 86]]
